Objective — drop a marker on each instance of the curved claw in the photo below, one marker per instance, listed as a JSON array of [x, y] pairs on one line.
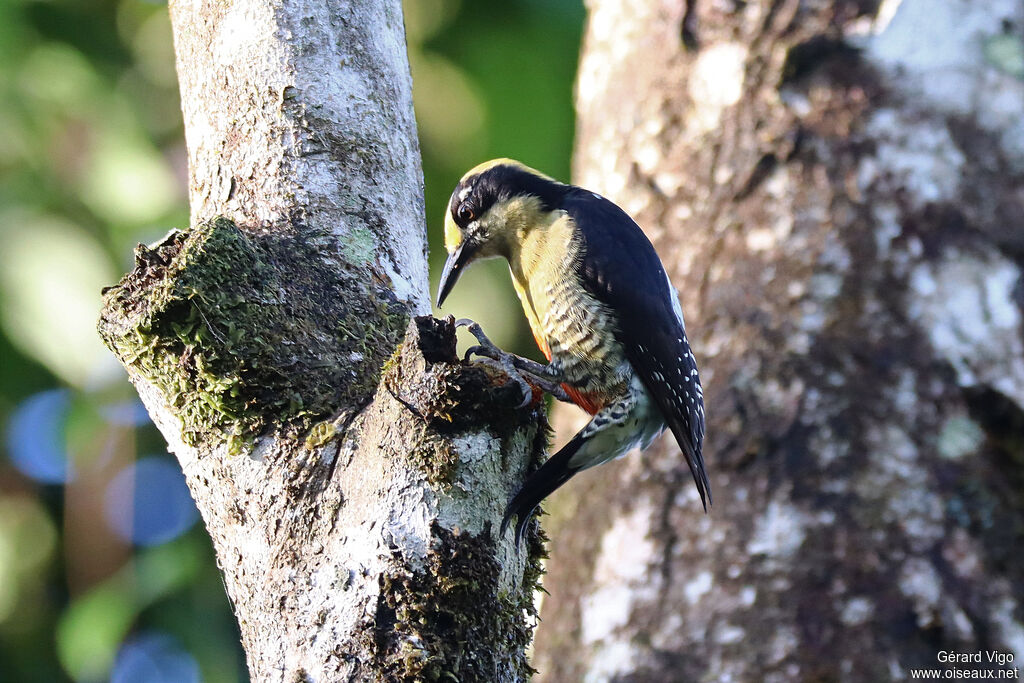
[[482, 351], [547, 377], [477, 331]]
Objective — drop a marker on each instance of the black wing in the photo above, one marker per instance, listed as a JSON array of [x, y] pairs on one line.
[[620, 268]]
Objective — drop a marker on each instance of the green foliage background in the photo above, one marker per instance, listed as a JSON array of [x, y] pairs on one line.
[[92, 161]]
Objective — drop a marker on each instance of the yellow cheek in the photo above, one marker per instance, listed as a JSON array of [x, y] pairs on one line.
[[452, 234]]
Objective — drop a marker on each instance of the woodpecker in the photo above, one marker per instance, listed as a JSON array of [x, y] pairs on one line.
[[601, 308]]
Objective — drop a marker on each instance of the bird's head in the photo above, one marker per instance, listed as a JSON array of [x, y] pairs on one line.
[[489, 210]]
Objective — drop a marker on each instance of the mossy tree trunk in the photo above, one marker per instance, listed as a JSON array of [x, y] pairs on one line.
[[348, 468], [837, 193]]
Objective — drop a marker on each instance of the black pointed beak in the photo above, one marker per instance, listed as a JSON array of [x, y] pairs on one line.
[[453, 268]]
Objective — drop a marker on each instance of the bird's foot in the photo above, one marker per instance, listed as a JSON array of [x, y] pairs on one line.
[[521, 370]]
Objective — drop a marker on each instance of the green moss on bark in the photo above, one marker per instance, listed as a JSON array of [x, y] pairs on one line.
[[229, 326], [427, 621]]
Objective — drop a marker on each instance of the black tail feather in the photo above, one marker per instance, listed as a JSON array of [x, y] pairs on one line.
[[542, 483], [700, 475]]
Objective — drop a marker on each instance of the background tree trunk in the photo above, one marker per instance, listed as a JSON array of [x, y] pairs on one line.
[[349, 480], [836, 188]]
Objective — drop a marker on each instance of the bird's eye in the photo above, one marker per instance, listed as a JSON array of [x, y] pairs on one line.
[[466, 214]]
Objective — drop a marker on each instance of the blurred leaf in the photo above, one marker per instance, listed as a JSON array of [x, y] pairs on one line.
[[425, 18], [14, 143], [88, 25], [127, 179], [58, 74], [91, 629], [169, 567], [27, 541], [523, 58], [14, 34], [451, 115], [154, 50], [159, 112], [51, 274]]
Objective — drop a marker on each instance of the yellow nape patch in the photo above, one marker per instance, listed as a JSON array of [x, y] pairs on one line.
[[480, 168], [452, 234]]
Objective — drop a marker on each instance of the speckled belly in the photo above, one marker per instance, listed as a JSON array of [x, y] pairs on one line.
[[576, 333]]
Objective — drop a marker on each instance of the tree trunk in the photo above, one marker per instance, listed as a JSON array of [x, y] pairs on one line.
[[837, 193], [348, 469]]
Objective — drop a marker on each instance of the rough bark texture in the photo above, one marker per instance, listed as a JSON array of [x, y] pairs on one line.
[[837, 190], [348, 468]]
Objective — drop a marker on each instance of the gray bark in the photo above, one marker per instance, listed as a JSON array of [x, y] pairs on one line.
[[348, 468], [836, 190]]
